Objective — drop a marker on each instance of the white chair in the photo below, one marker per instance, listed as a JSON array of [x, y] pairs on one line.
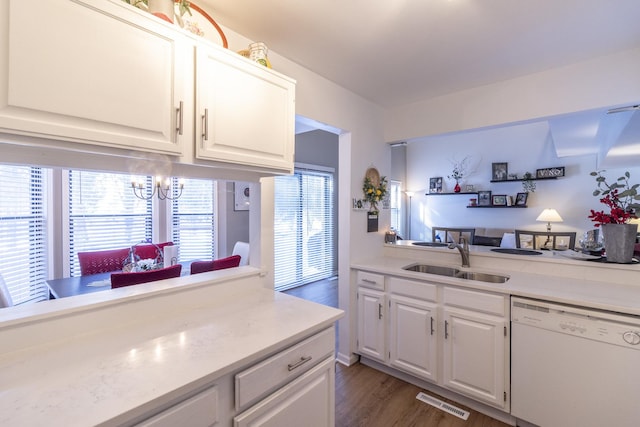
[[242, 249], [5, 296]]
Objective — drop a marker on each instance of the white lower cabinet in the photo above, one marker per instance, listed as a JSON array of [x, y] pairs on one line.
[[455, 337], [292, 385], [308, 400], [474, 362], [372, 318], [412, 333]]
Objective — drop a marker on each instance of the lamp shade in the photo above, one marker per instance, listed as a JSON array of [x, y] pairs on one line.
[[549, 215]]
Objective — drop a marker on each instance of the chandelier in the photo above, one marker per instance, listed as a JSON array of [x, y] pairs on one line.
[[160, 187]]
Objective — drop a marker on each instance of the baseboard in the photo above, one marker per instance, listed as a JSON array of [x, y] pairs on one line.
[[463, 400], [347, 360]]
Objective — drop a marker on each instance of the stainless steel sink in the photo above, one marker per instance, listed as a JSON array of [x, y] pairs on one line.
[[433, 269], [441, 270], [482, 277], [431, 244]]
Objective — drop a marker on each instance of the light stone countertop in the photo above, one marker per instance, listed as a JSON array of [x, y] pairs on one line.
[[550, 276], [95, 378]]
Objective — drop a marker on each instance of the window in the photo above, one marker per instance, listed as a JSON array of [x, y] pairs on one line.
[[395, 199], [105, 214], [192, 219], [304, 228], [23, 232]]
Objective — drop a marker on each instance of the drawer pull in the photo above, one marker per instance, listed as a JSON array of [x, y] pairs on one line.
[[373, 282], [302, 361]]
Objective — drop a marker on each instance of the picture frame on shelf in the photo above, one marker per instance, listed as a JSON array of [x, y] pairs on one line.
[[469, 188], [435, 184], [521, 199], [550, 172], [484, 198], [499, 171], [499, 200]]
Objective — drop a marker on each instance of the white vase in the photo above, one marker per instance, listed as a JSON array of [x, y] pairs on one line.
[[162, 8], [619, 242]]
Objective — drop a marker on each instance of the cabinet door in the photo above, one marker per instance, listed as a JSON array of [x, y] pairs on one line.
[[474, 355], [245, 112], [372, 315], [412, 336], [308, 400], [91, 71]]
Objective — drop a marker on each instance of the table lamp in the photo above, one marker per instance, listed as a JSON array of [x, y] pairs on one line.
[[549, 215]]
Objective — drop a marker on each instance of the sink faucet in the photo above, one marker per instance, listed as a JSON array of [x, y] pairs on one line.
[[464, 250]]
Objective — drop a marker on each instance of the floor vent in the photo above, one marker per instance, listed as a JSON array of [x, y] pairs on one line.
[[437, 403]]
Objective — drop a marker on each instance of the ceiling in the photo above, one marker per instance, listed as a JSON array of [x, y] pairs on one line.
[[395, 52]]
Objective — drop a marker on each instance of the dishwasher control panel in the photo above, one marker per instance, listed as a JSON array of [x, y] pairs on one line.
[[603, 326]]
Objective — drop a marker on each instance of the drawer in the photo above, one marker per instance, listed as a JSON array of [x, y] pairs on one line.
[[256, 382], [370, 280], [412, 288], [478, 301], [200, 410]]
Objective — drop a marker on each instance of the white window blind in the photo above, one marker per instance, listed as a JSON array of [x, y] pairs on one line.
[[105, 214], [193, 220], [304, 242], [23, 232], [395, 199]]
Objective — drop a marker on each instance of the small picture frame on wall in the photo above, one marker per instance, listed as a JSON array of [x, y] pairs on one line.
[[521, 199], [435, 185], [499, 171], [484, 198], [499, 200], [241, 196]]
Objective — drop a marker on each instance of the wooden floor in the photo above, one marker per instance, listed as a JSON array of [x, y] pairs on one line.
[[368, 397]]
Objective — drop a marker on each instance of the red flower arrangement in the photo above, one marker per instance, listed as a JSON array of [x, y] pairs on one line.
[[621, 203]]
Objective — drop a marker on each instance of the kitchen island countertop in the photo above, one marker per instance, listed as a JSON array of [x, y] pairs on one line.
[[104, 377]]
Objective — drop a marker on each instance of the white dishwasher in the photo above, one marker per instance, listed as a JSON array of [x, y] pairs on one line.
[[573, 366]]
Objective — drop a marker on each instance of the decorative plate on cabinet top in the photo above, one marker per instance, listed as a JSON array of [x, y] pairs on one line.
[[201, 24], [373, 175]]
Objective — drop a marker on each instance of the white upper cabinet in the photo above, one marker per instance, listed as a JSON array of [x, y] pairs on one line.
[[245, 113], [92, 71]]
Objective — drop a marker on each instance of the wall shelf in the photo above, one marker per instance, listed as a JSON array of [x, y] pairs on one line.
[[500, 206], [452, 194], [523, 179]]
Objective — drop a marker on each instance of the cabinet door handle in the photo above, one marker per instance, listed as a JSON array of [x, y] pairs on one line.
[[379, 311], [302, 361], [205, 125], [446, 329], [180, 113], [432, 330]]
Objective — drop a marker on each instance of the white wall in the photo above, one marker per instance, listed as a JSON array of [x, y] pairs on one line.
[[600, 82], [525, 148]]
